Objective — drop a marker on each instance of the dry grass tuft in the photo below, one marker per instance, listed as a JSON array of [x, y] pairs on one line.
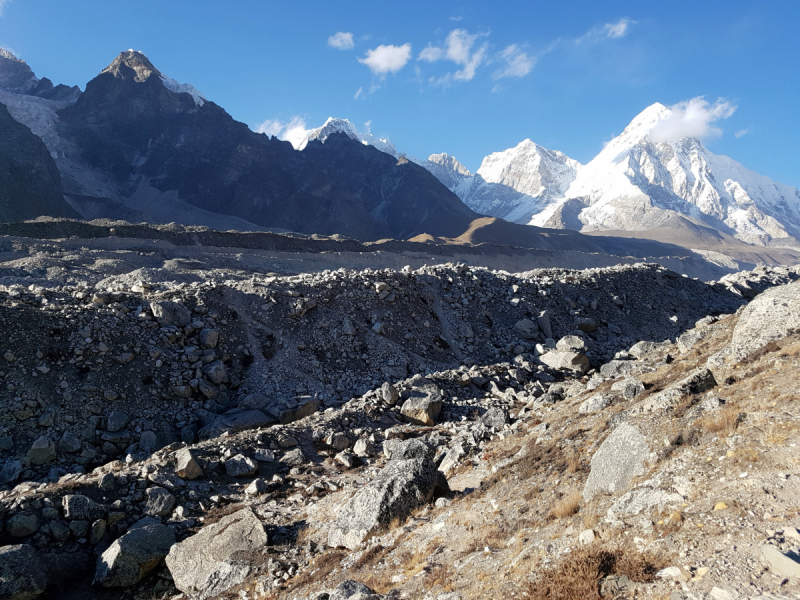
[[724, 422], [578, 576], [567, 506]]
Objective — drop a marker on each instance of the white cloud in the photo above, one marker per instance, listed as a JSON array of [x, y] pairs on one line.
[[367, 126], [611, 31], [692, 118], [458, 49], [340, 41], [741, 132], [618, 29], [518, 63], [387, 59], [3, 4], [456, 18], [359, 93], [431, 54], [293, 131]]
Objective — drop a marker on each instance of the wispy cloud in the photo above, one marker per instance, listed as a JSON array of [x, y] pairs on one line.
[[517, 63], [359, 93], [341, 40], [456, 18], [741, 133], [387, 59], [293, 131], [693, 118], [3, 4], [458, 48], [609, 31]]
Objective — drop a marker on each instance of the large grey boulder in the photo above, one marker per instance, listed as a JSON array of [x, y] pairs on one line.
[[349, 588], [402, 486], [769, 317], [698, 381], [423, 405], [406, 449], [234, 420], [568, 361], [159, 502], [171, 313], [22, 576], [186, 465], [42, 451], [81, 508], [620, 458], [241, 466], [206, 564], [130, 558], [526, 329]]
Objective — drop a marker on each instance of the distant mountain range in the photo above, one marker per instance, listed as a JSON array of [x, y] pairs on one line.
[[139, 146]]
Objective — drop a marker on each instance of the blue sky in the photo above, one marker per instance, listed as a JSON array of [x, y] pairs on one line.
[[463, 78]]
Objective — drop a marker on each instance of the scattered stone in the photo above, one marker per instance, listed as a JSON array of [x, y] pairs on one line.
[[619, 459], [241, 466], [21, 574], [568, 361], [159, 502], [204, 565], [78, 507], [171, 314], [42, 451], [186, 465], [423, 406], [134, 555], [586, 537], [257, 487], [22, 525], [595, 403], [117, 420], [780, 563], [526, 329]]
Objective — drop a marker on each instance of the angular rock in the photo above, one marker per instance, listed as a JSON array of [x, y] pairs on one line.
[[769, 317], [389, 394], [348, 589], [696, 382], [398, 489], [495, 417], [186, 466], [208, 338], [42, 451], [615, 368], [779, 563], [526, 329], [235, 420], [569, 361], [363, 448], [171, 314], [241, 466], [408, 449], [78, 507], [294, 457], [595, 403], [305, 408], [216, 372], [257, 487], [205, 564], [21, 574], [642, 349], [130, 558], [571, 343], [159, 502], [116, 421], [22, 525], [338, 441], [629, 388], [423, 405], [10, 472], [620, 458], [585, 324], [643, 500], [69, 443]]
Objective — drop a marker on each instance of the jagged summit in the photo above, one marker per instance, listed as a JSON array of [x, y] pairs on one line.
[[133, 64], [334, 125], [18, 78], [451, 162], [9, 55]]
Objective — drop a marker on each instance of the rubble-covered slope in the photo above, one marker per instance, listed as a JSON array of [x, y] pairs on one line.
[[242, 424]]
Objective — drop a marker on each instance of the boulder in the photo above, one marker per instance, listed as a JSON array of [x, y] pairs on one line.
[[216, 372], [620, 458], [22, 525], [159, 502], [407, 449], [399, 488], [69, 443], [526, 329], [571, 343], [423, 405], [349, 588], [205, 564], [643, 348], [780, 564], [186, 465], [171, 314], [10, 472], [629, 388], [208, 338], [234, 420], [81, 508], [495, 417], [116, 421], [241, 466], [130, 558], [569, 361], [696, 382], [769, 317], [616, 368], [643, 500], [42, 451], [21, 574], [306, 407], [294, 457], [595, 403], [586, 324], [389, 394]]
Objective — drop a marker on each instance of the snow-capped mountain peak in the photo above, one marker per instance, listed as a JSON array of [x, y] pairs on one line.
[[333, 125]]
